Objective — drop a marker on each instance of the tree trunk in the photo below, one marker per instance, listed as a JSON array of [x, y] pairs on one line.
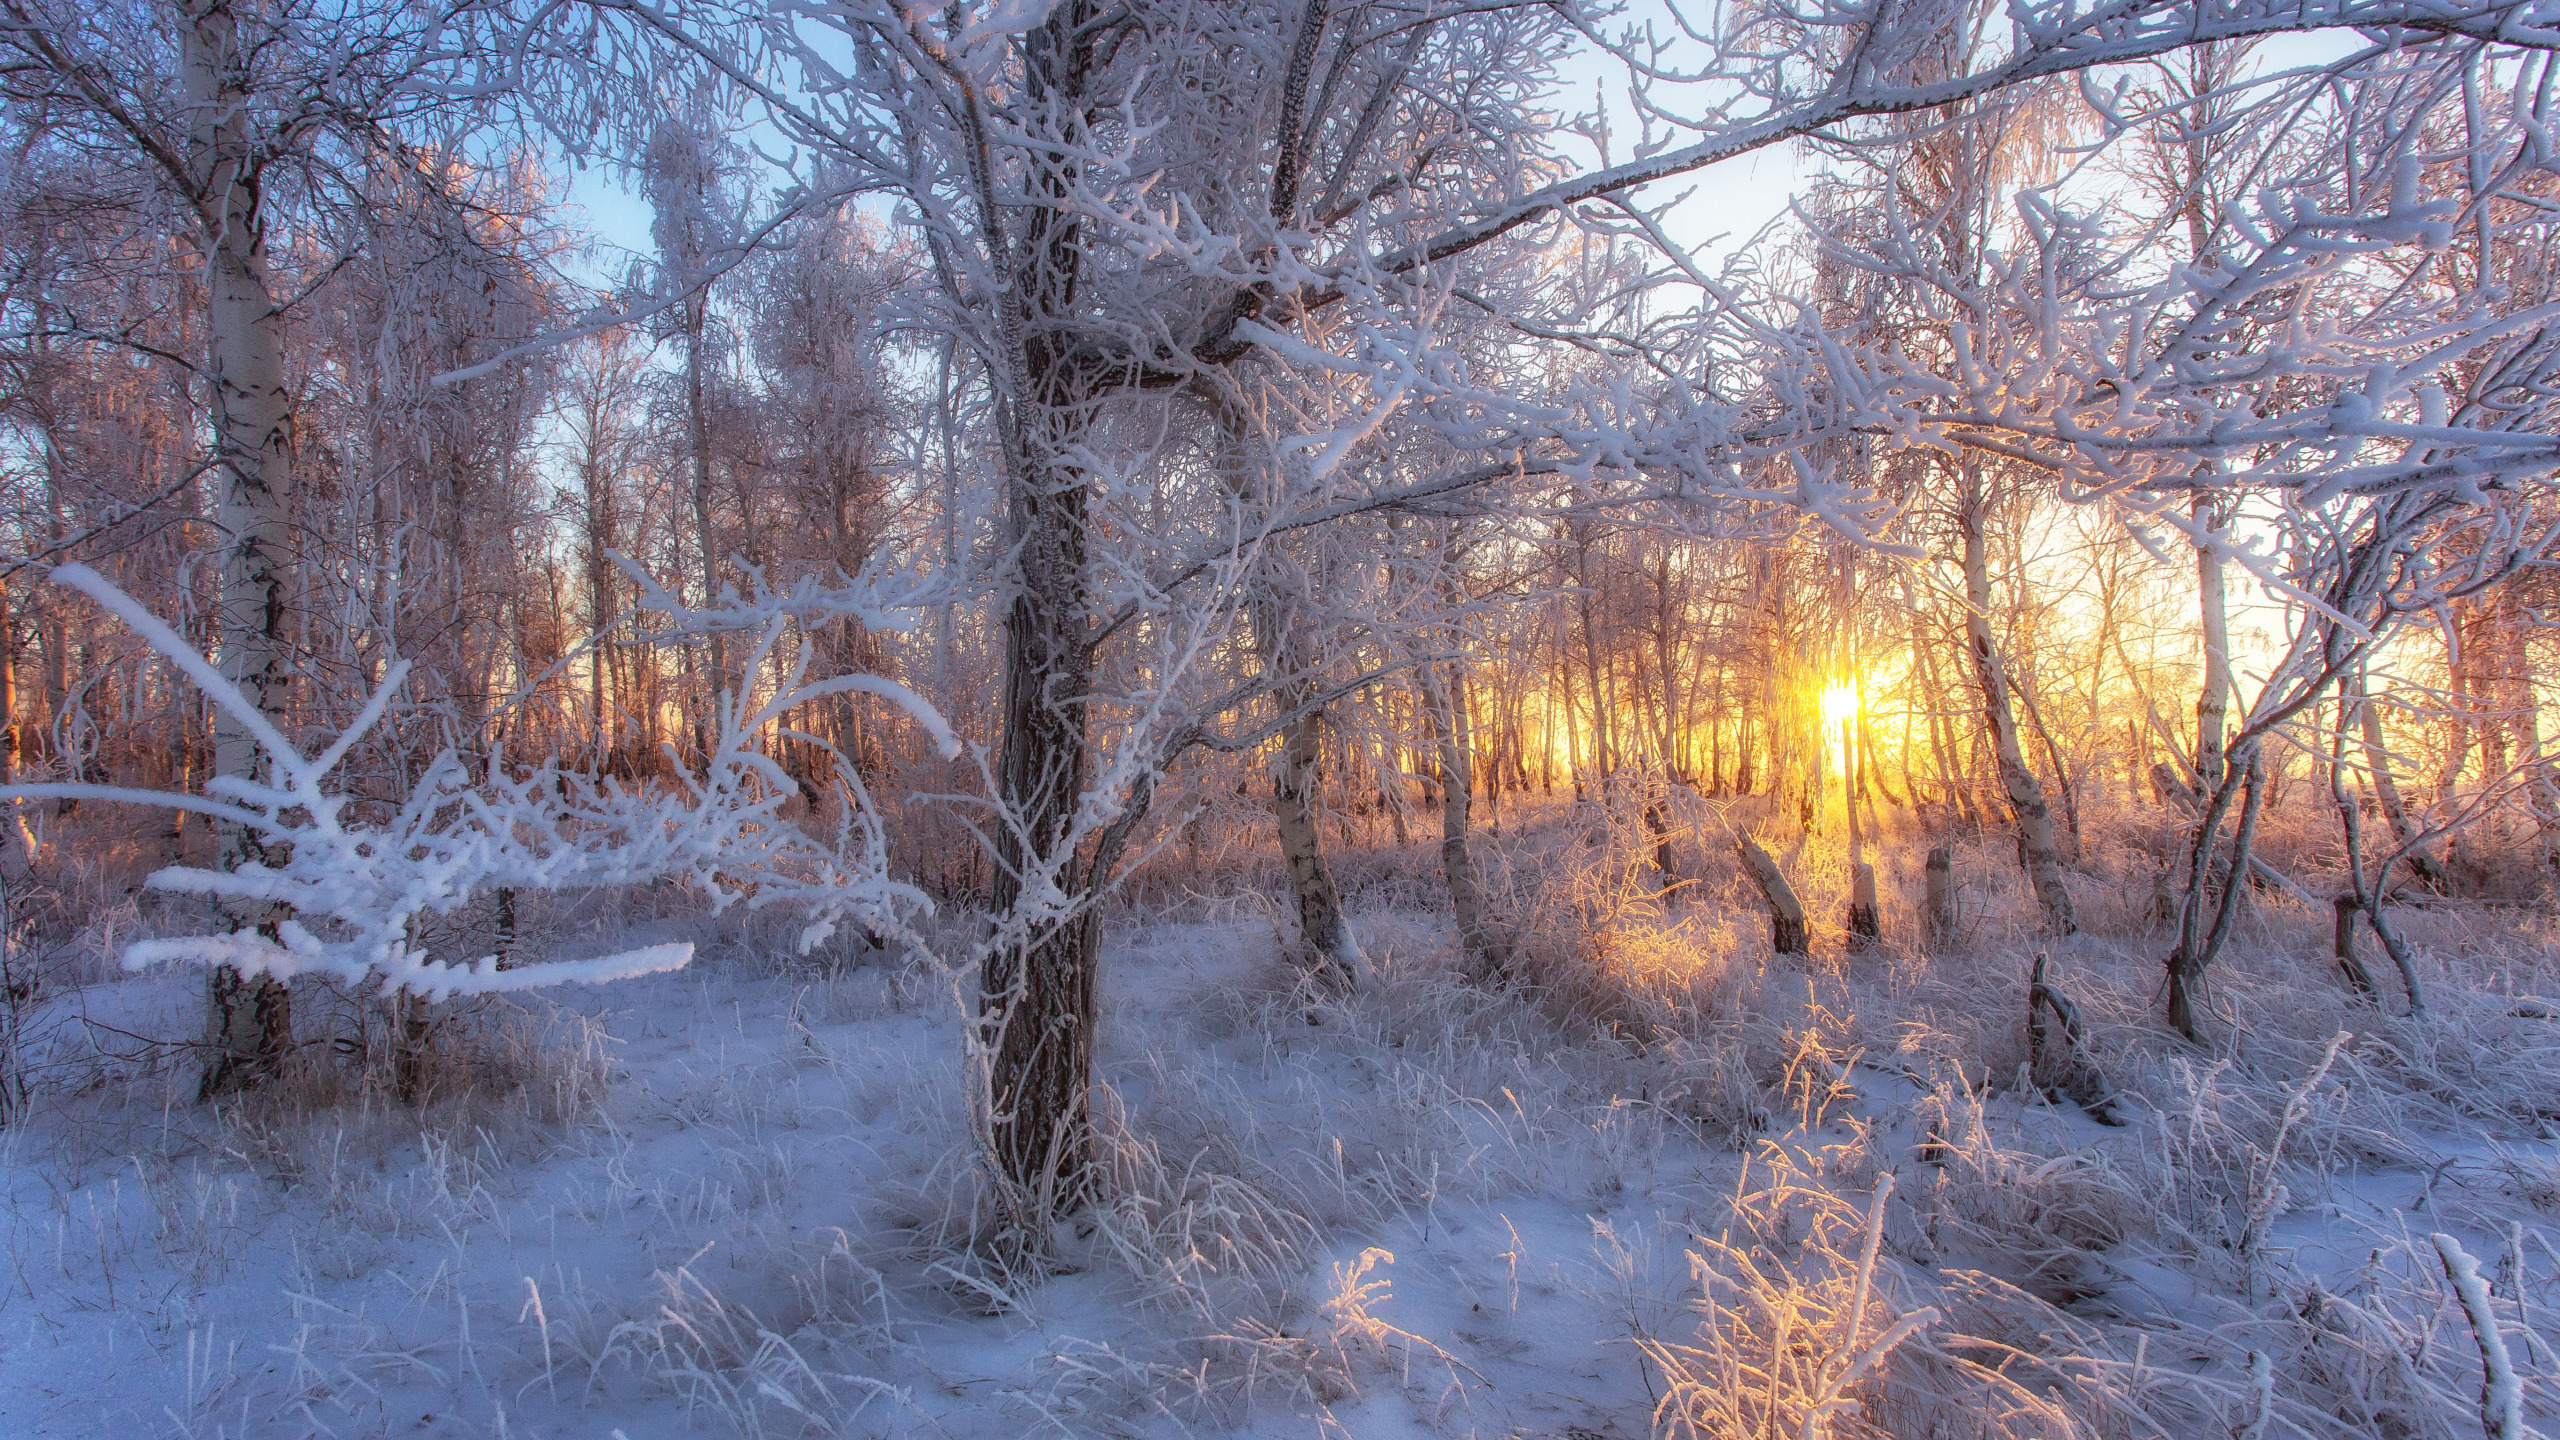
[[2061, 773], [1865, 926], [1036, 1003], [2545, 793], [1292, 655], [2197, 947], [697, 420], [2036, 848], [1446, 698], [1038, 980], [2349, 912], [9, 735], [2366, 897], [2213, 701], [2386, 788], [249, 1021], [1788, 932], [1296, 786]]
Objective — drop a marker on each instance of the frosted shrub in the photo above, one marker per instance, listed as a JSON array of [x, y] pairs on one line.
[[348, 897]]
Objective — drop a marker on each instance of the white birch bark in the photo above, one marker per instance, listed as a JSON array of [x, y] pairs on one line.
[[249, 1023]]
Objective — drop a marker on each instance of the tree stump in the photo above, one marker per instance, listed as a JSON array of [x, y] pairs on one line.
[[1865, 928], [1788, 933], [1941, 913]]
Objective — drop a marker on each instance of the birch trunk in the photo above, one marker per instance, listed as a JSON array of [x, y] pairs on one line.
[[1865, 925], [249, 1021], [1788, 932], [2036, 848], [2213, 702], [1447, 699], [1281, 640], [1296, 786]]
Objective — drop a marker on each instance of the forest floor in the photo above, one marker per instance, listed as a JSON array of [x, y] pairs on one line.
[[738, 1200]]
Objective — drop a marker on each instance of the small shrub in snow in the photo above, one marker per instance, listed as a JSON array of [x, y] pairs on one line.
[[350, 891]]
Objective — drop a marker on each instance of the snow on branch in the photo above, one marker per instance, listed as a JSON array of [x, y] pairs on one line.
[[354, 886]]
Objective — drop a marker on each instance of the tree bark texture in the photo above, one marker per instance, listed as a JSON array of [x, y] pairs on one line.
[[2213, 701], [1037, 992], [1940, 921], [1788, 932], [1296, 791], [249, 1020], [1037, 983], [1446, 697]]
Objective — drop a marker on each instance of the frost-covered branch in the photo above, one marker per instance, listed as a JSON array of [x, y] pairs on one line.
[[354, 885]]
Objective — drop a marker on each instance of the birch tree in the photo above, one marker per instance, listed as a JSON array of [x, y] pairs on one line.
[[217, 117]]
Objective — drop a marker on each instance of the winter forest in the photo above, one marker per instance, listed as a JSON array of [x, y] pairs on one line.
[[1705, 719]]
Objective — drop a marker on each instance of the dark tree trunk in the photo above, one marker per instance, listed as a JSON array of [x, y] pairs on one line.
[[1037, 991]]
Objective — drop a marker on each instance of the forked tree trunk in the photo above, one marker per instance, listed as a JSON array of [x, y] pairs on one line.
[[2037, 852], [2198, 946], [2365, 896], [249, 1021]]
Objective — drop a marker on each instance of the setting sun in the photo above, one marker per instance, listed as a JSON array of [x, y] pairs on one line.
[[1839, 702]]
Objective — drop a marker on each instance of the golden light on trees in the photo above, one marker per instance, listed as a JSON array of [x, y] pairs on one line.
[[1839, 702]]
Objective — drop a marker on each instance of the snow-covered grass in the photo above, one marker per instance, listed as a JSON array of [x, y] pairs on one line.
[[1679, 1190]]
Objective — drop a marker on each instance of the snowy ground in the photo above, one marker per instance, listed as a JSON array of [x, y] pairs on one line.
[[743, 1229], [736, 1201]]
